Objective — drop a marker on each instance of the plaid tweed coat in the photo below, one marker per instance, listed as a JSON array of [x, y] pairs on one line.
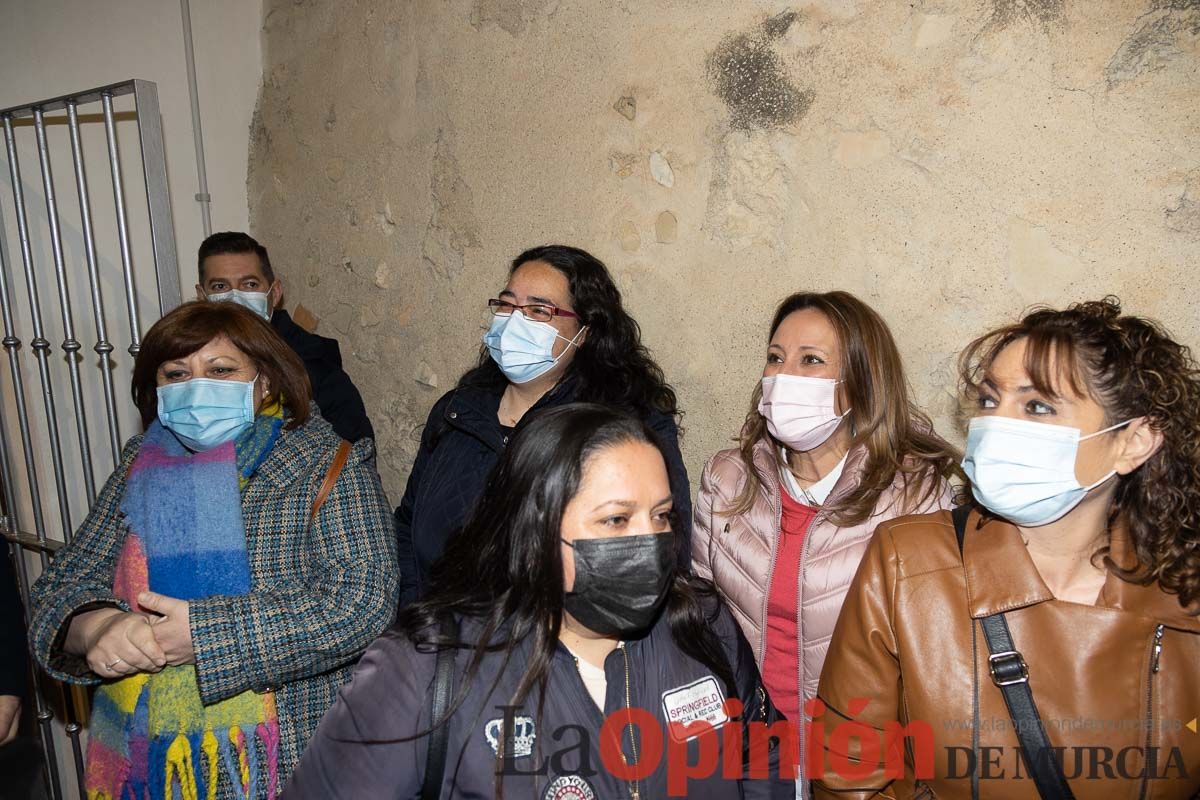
[[319, 595]]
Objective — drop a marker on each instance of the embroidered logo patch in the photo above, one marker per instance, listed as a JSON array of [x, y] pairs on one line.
[[569, 787], [699, 701], [523, 735]]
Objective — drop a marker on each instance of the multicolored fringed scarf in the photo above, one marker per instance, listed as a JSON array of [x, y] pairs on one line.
[[150, 736]]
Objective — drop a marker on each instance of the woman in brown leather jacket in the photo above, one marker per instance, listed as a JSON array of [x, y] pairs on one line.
[[1049, 646], [831, 446]]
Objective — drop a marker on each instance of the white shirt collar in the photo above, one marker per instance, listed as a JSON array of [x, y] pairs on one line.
[[819, 492]]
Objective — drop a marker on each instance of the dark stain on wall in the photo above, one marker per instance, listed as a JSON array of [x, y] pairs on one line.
[[1155, 43], [778, 25], [1009, 12], [749, 75], [1185, 216]]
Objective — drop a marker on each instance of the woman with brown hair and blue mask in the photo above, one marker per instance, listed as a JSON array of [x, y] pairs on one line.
[[570, 641], [232, 570], [559, 333], [1043, 640]]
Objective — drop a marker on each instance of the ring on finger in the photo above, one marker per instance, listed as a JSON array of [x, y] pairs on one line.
[[114, 664]]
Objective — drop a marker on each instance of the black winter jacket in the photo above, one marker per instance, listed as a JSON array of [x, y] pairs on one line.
[[460, 444], [371, 744], [334, 393]]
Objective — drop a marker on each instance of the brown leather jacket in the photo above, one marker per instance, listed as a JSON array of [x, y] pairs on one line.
[[1113, 681]]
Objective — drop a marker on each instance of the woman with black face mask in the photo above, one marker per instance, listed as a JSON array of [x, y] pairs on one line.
[[572, 643]]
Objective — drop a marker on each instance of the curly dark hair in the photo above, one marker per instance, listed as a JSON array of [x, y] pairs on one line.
[[612, 365], [1132, 368]]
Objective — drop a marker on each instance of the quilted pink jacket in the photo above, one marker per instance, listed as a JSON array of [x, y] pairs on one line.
[[737, 553]]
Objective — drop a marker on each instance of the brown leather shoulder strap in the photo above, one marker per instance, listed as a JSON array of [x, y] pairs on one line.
[[335, 469]]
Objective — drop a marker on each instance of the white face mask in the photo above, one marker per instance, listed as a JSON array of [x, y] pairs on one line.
[[258, 302], [1025, 471], [800, 412]]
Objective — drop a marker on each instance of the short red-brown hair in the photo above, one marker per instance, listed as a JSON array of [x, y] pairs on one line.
[[191, 326]]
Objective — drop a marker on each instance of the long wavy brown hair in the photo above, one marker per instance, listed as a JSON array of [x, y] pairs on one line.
[[1132, 368], [898, 436]]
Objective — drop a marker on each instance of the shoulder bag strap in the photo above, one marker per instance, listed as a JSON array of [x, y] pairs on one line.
[[335, 469], [1011, 675], [439, 703]]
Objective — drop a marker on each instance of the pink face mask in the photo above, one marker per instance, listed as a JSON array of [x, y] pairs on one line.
[[800, 412]]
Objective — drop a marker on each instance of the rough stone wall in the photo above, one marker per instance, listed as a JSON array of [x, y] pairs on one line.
[[950, 161]]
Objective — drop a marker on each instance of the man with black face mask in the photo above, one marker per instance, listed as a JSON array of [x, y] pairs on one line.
[[560, 653]]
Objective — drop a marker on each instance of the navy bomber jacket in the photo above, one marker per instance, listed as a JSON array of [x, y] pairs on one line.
[[372, 743]]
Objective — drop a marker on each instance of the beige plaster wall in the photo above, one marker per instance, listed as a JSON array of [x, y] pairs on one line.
[[950, 161]]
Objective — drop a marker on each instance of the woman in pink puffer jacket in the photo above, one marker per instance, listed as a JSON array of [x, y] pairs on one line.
[[832, 446]]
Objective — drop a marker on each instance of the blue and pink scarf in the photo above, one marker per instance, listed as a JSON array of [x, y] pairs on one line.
[[150, 736]]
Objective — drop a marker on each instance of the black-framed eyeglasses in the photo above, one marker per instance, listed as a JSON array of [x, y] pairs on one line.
[[538, 312]]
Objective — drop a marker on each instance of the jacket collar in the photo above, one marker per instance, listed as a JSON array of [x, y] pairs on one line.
[[1001, 577], [293, 452], [283, 323], [309, 346], [767, 463], [473, 409]]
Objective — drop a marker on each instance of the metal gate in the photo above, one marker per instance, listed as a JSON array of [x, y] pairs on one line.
[[95, 254]]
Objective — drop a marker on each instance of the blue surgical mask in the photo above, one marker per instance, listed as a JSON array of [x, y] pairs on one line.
[[204, 412], [1025, 471], [258, 302], [524, 349]]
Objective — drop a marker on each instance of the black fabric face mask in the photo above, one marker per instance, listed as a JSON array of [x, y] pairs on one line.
[[620, 582]]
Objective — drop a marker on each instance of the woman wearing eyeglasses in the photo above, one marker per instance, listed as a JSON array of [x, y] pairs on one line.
[[559, 334]]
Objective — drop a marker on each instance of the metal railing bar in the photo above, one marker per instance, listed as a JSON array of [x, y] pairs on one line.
[[11, 346], [60, 103], [114, 163], [44, 717], [39, 343], [21, 542], [84, 119], [158, 195], [103, 347], [73, 729], [6, 471], [31, 542], [70, 345]]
